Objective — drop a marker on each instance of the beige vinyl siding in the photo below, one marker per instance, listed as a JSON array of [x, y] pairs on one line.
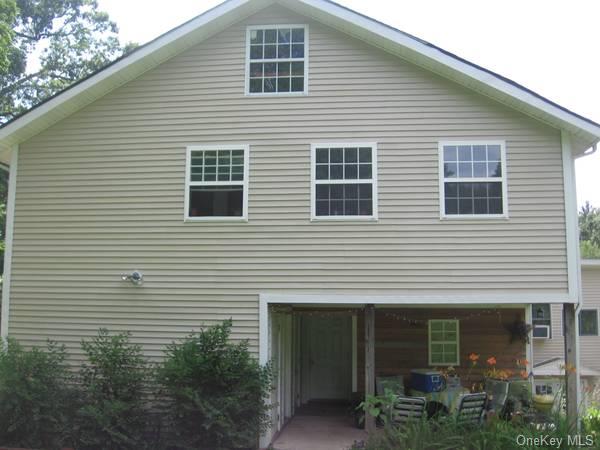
[[101, 193], [589, 345]]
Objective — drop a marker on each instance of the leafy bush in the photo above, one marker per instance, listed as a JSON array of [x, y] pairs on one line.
[[112, 383], [218, 391], [591, 422], [379, 406], [589, 250], [35, 398]]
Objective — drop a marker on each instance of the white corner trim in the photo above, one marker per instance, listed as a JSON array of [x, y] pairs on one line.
[[263, 332], [8, 242], [571, 221]]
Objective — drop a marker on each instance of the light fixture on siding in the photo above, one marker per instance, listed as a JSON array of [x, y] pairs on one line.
[[136, 277]]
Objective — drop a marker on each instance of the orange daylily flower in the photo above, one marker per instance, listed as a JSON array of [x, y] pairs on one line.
[[473, 357], [522, 362], [491, 361], [524, 374]]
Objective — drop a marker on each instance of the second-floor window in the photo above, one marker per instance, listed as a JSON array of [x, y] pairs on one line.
[[473, 179], [344, 181], [277, 59], [217, 183]]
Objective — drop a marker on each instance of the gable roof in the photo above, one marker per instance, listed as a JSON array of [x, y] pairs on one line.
[[586, 132]]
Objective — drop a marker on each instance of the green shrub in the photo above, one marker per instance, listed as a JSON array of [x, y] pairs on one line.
[[112, 382], [35, 398], [591, 422], [218, 391], [589, 250]]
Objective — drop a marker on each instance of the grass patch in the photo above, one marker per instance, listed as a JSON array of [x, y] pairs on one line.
[[496, 434]]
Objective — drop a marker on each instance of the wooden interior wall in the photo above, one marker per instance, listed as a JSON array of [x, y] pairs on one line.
[[401, 340]]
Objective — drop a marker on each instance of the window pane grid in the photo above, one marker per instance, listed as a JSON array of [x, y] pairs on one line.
[[443, 338], [216, 166], [277, 60], [344, 181], [473, 180]]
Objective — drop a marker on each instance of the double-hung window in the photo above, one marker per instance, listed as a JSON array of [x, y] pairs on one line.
[[216, 183], [277, 59], [344, 181], [444, 343], [473, 180]]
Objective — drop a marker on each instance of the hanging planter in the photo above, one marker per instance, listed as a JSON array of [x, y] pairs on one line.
[[519, 331]]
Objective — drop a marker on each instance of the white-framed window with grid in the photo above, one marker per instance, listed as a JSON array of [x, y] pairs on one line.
[[216, 182], [444, 343], [473, 180], [344, 181], [277, 60]]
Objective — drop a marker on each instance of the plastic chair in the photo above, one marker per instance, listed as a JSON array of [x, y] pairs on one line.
[[471, 408], [408, 409]]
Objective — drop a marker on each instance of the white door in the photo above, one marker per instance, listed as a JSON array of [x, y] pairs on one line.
[[329, 346]]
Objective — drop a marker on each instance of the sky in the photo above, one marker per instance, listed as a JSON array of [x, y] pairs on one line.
[[549, 46]]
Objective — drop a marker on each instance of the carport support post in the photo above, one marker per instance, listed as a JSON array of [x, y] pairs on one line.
[[369, 362], [571, 369]]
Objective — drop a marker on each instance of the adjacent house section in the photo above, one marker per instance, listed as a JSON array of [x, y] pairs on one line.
[[548, 339]]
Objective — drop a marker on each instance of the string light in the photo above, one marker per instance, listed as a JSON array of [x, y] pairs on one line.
[[398, 316]]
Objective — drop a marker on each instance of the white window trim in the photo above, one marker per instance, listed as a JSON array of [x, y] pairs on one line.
[[597, 323], [314, 182], [429, 342], [443, 215], [550, 326], [189, 183], [249, 29]]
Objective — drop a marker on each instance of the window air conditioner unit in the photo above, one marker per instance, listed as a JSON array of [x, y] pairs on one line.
[[541, 331]]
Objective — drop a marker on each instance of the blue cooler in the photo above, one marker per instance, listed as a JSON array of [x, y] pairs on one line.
[[427, 380]]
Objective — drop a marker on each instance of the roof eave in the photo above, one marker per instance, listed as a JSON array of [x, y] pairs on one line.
[[451, 67], [585, 132], [124, 70]]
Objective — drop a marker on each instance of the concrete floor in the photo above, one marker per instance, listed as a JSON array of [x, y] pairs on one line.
[[311, 432]]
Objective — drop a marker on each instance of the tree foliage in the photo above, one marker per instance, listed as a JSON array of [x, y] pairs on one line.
[[589, 231], [45, 46], [8, 14], [49, 44]]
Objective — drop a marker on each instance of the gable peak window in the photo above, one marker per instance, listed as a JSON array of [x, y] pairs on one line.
[[344, 181], [277, 60], [473, 180], [217, 183]]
